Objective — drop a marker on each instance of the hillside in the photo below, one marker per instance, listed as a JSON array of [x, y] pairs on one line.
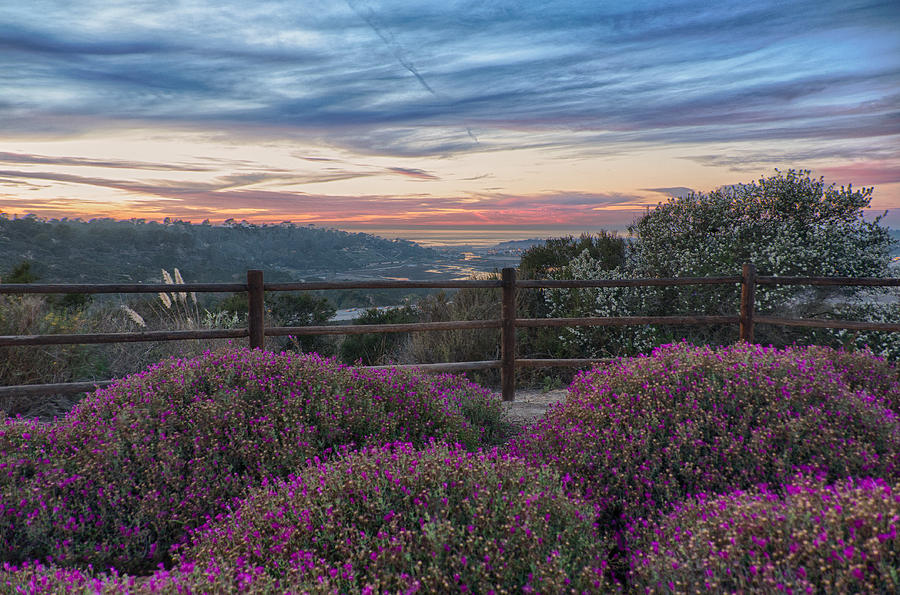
[[109, 251]]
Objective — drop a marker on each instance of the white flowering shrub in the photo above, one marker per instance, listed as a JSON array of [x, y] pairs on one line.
[[882, 344], [602, 302], [786, 225]]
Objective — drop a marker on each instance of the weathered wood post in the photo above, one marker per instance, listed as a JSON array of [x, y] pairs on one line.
[[256, 307], [508, 335], [748, 301]]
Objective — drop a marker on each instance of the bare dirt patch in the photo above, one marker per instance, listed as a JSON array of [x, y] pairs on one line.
[[532, 404]]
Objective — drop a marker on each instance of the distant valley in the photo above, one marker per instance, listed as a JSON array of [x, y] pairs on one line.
[[109, 251]]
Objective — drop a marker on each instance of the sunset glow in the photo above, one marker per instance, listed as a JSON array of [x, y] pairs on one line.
[[523, 118]]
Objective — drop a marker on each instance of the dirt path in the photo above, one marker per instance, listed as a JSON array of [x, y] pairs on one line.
[[531, 404]]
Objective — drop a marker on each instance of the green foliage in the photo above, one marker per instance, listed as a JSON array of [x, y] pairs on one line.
[[72, 301], [238, 303], [109, 251], [877, 306], [541, 259], [787, 224], [289, 309], [384, 348], [21, 273], [551, 260], [302, 309]]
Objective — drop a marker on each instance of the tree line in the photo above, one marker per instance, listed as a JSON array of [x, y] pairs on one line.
[[111, 251]]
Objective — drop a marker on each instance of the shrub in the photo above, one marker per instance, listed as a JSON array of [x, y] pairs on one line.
[[643, 433], [35, 315], [814, 538], [863, 371], [123, 475], [35, 578], [395, 519], [786, 224], [387, 518], [555, 253], [382, 348], [461, 345]]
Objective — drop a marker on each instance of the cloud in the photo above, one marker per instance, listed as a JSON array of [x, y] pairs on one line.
[[418, 174], [240, 194], [368, 15], [436, 79], [746, 160], [863, 174], [561, 200], [173, 189], [676, 191], [736, 86], [25, 158]]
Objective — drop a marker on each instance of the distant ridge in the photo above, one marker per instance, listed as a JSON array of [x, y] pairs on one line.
[[111, 251], [520, 244]]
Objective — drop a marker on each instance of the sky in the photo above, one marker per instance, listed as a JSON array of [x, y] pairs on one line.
[[445, 119]]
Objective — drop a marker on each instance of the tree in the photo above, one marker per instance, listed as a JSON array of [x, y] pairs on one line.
[[301, 309], [21, 273], [786, 224], [541, 259]]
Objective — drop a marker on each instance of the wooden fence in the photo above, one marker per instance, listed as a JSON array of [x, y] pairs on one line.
[[508, 322]]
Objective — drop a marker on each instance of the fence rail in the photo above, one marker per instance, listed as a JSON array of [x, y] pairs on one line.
[[508, 322]]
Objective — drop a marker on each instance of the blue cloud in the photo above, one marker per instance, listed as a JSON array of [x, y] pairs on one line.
[[420, 78]]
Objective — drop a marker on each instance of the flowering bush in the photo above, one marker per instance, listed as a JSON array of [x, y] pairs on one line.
[[396, 519], [787, 224], [643, 433], [863, 371], [125, 474], [605, 302], [805, 538], [385, 519], [251, 471]]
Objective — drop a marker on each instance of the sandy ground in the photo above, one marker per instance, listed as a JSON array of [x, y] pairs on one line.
[[531, 404]]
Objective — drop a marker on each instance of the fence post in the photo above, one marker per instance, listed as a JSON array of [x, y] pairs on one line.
[[508, 335], [748, 301], [256, 307]]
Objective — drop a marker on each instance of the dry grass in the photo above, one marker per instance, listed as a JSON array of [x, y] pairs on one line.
[[37, 315]]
